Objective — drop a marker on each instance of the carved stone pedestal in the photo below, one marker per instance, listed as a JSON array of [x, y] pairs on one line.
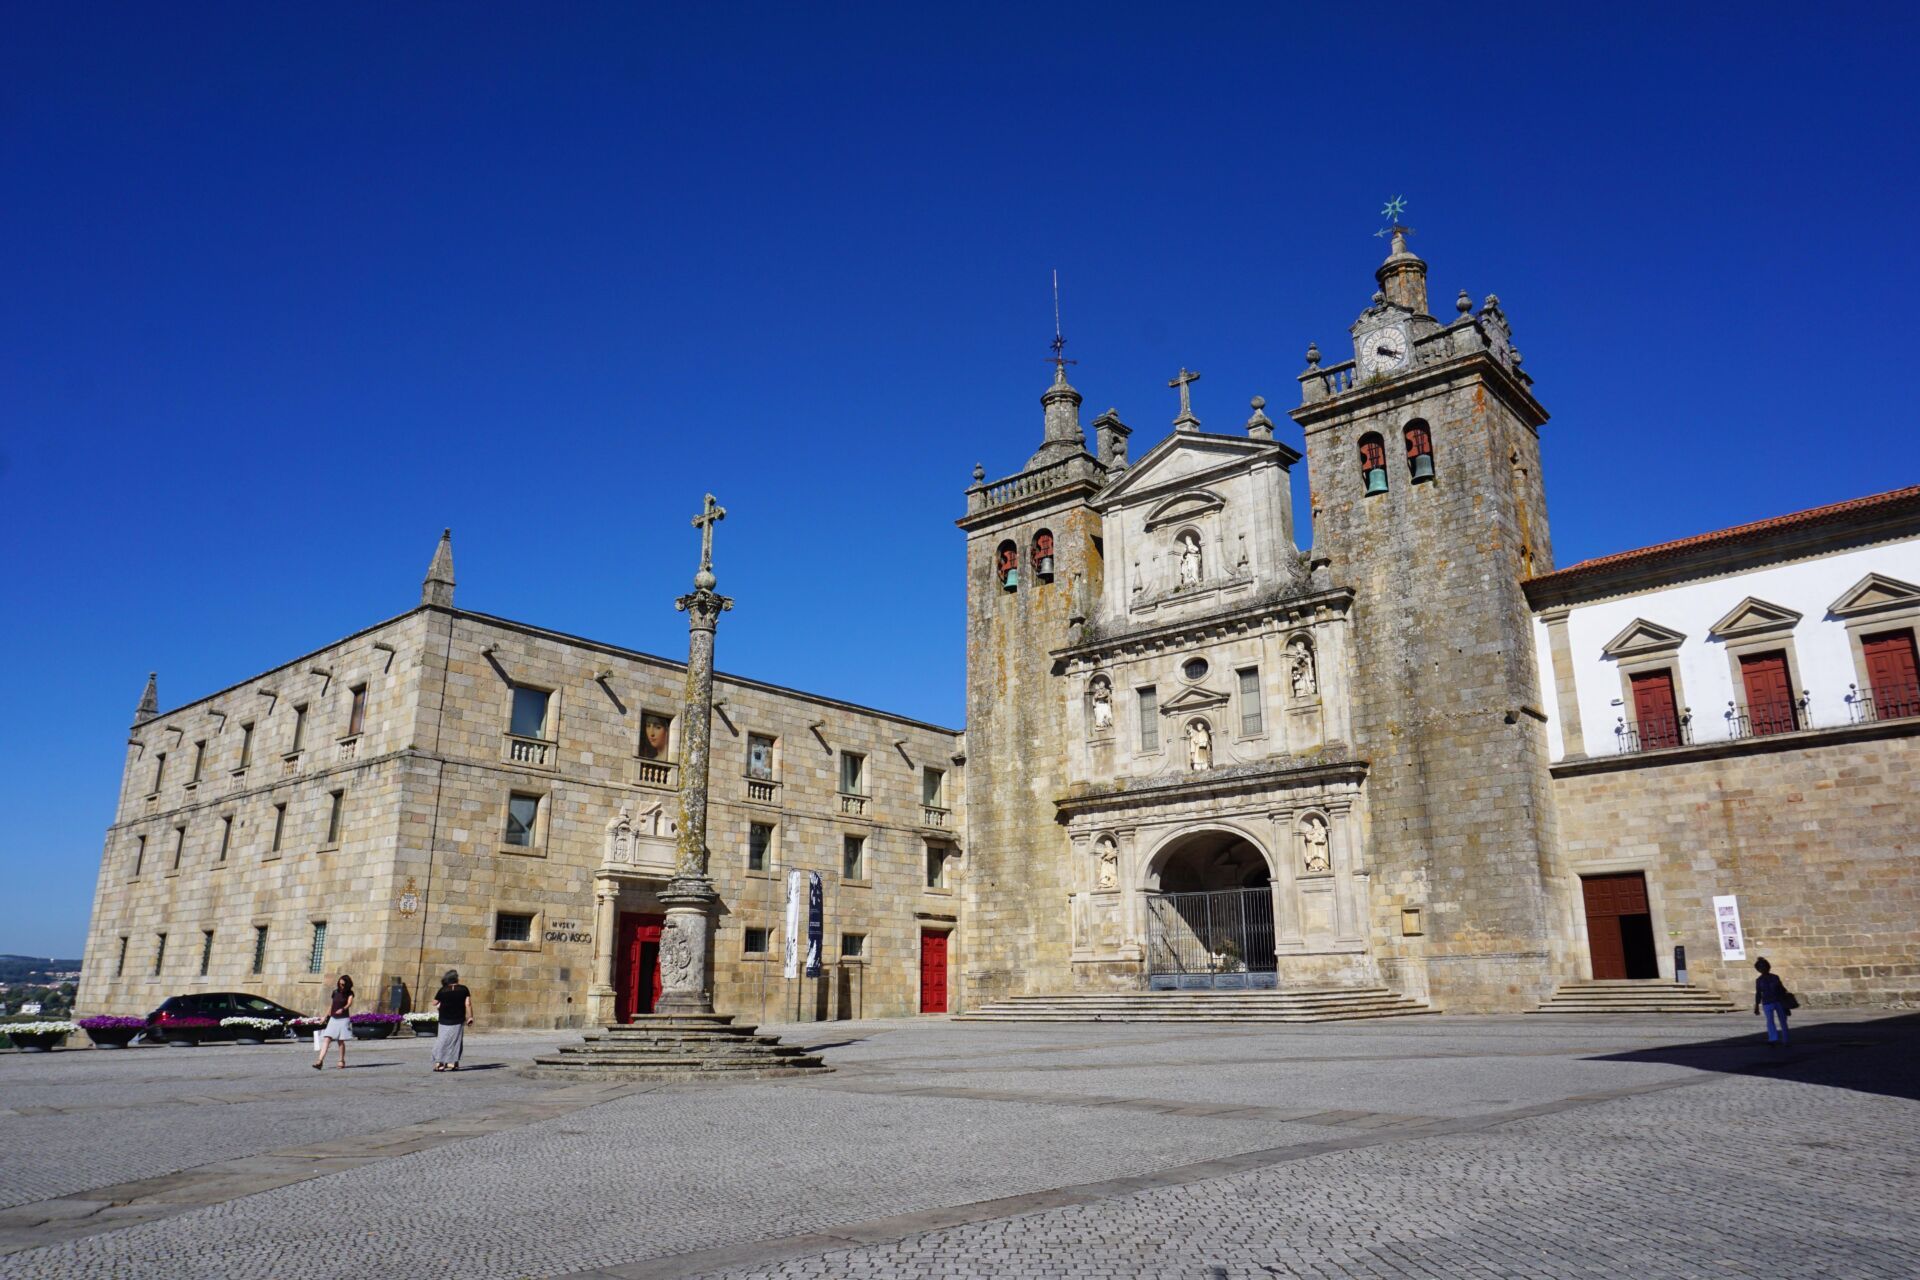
[[686, 946]]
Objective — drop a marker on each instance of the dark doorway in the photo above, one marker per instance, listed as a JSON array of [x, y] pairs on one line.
[[1619, 927], [636, 970]]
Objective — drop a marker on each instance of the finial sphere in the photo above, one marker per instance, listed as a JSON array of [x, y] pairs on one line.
[[1313, 355], [704, 580], [1259, 402], [1463, 303]]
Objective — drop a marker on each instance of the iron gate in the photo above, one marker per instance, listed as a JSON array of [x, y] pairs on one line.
[[1221, 940]]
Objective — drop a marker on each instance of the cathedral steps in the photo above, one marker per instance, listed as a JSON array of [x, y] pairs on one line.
[[1641, 996], [676, 1047], [1343, 1005]]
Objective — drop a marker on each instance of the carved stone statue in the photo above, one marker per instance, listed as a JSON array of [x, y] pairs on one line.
[[1313, 846], [1109, 874], [620, 839], [1190, 560], [1102, 696], [1300, 668], [1199, 745]]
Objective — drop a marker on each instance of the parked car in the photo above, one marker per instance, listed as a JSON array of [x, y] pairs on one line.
[[215, 1005]]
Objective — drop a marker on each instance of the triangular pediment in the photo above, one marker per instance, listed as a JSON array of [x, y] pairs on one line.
[[1194, 699], [1189, 461], [1642, 637], [1873, 594], [1753, 617]]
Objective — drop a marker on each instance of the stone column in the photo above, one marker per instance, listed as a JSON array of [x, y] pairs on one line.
[[686, 940], [600, 995]]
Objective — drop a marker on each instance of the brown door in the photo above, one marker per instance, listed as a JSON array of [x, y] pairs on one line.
[[636, 969], [1619, 926], [933, 972], [1654, 711], [1892, 674], [1769, 693]]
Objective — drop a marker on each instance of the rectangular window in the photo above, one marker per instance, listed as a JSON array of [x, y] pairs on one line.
[[933, 787], [179, 846], [357, 711], [656, 736], [512, 926], [1149, 718], [206, 951], [529, 712], [1251, 720], [760, 757], [139, 854], [523, 813], [1656, 714], [1893, 674], [279, 826], [852, 944], [936, 867], [299, 728], [335, 813], [226, 836], [120, 965], [753, 940], [246, 745], [259, 948], [199, 758], [759, 845], [1769, 690], [317, 951], [853, 773], [853, 858], [159, 952], [159, 772]]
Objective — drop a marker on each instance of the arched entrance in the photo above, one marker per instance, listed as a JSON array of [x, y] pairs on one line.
[[1209, 908]]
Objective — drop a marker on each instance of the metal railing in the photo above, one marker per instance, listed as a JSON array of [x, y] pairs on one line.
[[1767, 718], [1895, 701], [1217, 940], [1653, 733]]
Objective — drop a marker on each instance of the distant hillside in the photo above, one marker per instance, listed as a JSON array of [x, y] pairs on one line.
[[28, 968]]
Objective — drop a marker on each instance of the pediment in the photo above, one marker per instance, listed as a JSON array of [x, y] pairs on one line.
[[1194, 699], [1189, 505], [1188, 460], [1873, 594], [1753, 617], [1642, 637]]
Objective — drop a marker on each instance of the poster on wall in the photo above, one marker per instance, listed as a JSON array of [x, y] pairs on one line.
[[1726, 923], [793, 924]]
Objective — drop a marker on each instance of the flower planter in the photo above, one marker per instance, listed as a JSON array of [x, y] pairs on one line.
[[185, 1033], [110, 1032], [423, 1024], [253, 1030], [374, 1026], [427, 1030], [37, 1041]]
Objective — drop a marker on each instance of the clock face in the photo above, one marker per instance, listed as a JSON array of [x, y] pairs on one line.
[[1383, 351]]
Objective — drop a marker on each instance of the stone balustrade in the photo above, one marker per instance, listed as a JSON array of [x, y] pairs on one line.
[[531, 751], [853, 806], [1037, 481], [1324, 384]]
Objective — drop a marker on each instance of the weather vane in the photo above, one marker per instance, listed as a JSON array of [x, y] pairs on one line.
[[1391, 211], [1059, 344]]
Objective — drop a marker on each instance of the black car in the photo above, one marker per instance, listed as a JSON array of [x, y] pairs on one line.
[[214, 1005]]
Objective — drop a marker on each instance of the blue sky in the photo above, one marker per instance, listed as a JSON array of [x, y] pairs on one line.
[[283, 290]]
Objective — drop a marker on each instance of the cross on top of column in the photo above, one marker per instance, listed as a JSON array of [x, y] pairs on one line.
[[713, 513], [1185, 380]]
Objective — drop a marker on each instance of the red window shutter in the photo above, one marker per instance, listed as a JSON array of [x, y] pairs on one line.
[[1769, 693], [1893, 674], [1655, 712]]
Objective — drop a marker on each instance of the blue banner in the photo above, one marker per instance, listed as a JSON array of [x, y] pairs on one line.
[[815, 920]]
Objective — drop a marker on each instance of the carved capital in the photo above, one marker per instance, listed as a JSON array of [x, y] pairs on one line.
[[703, 608]]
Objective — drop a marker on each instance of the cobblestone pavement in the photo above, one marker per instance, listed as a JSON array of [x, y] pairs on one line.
[[1448, 1146]]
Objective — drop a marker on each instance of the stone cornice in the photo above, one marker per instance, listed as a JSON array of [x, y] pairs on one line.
[[1695, 753], [1212, 784], [1186, 630], [1322, 414]]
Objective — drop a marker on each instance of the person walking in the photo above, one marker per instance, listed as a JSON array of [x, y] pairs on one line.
[[339, 1028], [455, 1005], [1770, 995]]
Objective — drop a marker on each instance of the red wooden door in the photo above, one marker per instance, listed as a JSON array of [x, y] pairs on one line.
[[1769, 693], [1654, 711], [636, 969], [933, 972], [1610, 901], [1892, 674]]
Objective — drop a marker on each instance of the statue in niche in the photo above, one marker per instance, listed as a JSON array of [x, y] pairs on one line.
[[1189, 559], [1199, 745], [1109, 873], [1313, 846], [1101, 693], [620, 839], [1300, 668]]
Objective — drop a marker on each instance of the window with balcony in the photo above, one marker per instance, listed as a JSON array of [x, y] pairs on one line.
[[523, 818], [759, 845], [1893, 673], [760, 757], [853, 774], [357, 711], [246, 746], [933, 787], [529, 718], [853, 857], [199, 761], [1656, 714], [299, 730], [317, 948], [1768, 686], [159, 772]]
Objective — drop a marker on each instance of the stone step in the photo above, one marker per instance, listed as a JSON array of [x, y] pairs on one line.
[[676, 1047], [1201, 1006], [732, 1063], [1617, 996], [679, 1050]]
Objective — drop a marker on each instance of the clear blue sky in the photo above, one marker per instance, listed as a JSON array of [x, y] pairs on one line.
[[285, 289]]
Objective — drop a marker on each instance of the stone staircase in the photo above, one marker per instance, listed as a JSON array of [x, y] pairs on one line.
[[1201, 1006], [676, 1047], [1630, 996]]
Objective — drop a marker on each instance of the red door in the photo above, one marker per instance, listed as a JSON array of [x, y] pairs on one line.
[[1769, 693], [1619, 926], [636, 968], [933, 972], [1892, 674], [1655, 711]]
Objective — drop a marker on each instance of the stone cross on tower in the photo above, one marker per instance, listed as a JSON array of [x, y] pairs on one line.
[[1186, 421]]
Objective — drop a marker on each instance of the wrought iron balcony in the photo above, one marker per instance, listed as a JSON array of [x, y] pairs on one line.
[[1768, 718], [1653, 733], [1886, 701]]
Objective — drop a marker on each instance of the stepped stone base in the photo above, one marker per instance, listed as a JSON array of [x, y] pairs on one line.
[[1632, 996], [1345, 1004], [682, 1046]]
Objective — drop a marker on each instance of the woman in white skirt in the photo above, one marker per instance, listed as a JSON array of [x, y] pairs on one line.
[[339, 1028], [455, 1004]]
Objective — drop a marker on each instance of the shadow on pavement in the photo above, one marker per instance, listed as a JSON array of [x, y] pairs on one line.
[[1867, 1057]]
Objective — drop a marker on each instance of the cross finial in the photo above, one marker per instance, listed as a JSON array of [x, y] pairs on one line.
[[713, 513], [1182, 382]]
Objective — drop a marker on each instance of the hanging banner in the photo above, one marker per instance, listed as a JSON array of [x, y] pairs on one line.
[[793, 924], [1726, 923], [815, 921]]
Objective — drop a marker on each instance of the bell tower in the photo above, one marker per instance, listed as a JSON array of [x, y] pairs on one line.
[[1033, 564], [1424, 454]]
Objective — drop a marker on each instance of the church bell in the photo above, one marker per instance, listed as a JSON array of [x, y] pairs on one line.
[[1376, 480], [1422, 468]]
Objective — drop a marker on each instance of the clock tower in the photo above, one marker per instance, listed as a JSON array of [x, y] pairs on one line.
[[1424, 452]]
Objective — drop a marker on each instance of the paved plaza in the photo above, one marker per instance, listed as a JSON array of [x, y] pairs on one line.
[[1442, 1146]]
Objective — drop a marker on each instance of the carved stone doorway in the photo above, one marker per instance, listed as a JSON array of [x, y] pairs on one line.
[[1210, 915]]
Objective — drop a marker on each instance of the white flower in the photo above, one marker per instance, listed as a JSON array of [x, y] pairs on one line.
[[257, 1024], [411, 1018], [38, 1028]]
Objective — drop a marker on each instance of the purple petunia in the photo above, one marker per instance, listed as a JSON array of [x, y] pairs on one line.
[[106, 1022]]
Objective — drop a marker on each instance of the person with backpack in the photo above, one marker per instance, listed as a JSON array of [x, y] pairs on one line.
[[1770, 995]]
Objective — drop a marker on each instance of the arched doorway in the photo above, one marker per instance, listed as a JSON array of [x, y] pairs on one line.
[[1209, 907]]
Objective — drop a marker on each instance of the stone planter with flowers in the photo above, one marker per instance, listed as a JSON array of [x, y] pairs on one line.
[[423, 1024], [37, 1037], [109, 1032], [374, 1026], [254, 1030], [187, 1032]]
